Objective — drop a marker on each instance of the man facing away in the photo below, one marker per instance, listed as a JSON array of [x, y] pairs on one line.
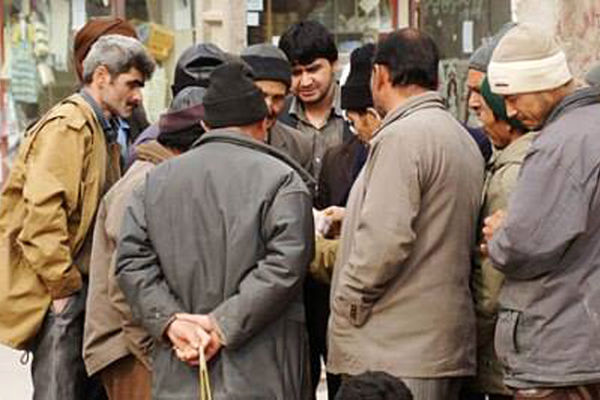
[[401, 281], [115, 347], [547, 245], [213, 250], [65, 164]]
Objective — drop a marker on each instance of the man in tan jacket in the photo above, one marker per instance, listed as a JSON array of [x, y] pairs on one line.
[[400, 297], [66, 162]]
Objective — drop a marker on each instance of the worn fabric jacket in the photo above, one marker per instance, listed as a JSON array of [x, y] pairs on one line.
[[501, 178], [110, 332], [341, 165], [296, 144], [548, 329], [47, 208], [400, 300], [224, 229]]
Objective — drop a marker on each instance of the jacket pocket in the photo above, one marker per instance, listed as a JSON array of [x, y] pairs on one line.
[[506, 335]]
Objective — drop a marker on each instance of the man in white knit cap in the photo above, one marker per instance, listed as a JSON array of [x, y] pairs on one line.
[[546, 243]]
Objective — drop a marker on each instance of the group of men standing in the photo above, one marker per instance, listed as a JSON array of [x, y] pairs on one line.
[[209, 251]]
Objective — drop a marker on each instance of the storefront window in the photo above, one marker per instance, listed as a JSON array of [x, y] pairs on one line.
[[352, 22], [37, 69], [459, 27]]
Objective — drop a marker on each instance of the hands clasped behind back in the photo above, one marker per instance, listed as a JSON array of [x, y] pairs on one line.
[[191, 332]]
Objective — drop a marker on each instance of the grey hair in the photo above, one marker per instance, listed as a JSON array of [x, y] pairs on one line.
[[118, 54]]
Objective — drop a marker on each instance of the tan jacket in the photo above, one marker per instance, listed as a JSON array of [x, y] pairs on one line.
[[110, 332], [501, 179], [47, 208], [400, 298]]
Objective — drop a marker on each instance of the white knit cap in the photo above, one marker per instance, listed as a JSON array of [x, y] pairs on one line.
[[527, 60]]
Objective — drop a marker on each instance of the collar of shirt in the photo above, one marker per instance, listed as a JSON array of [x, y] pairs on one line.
[[297, 108], [109, 127]]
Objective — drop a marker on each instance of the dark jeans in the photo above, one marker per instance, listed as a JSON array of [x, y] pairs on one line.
[[57, 369], [316, 303]]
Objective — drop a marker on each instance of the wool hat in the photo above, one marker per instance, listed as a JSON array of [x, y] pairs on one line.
[[268, 63], [498, 106], [592, 77], [91, 31], [480, 59], [527, 59], [356, 92], [180, 126], [195, 65], [232, 99]]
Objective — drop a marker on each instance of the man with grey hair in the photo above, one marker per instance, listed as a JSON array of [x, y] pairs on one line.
[[67, 160], [546, 242]]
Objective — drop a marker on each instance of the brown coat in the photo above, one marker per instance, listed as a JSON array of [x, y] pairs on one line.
[[110, 332], [48, 207], [400, 299]]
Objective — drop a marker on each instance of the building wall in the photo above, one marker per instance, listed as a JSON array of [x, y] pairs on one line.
[[576, 23]]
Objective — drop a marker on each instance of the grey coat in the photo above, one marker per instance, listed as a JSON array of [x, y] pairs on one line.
[[400, 298], [225, 229], [548, 329]]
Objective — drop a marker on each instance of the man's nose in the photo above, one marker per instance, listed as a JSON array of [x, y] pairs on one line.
[[305, 79]]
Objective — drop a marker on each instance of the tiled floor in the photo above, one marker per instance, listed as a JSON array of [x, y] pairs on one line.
[[15, 381]]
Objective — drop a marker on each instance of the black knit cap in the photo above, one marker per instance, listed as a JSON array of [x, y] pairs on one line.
[[268, 63], [356, 92], [232, 99]]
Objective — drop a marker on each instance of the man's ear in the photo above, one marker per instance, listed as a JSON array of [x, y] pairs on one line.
[[101, 75], [372, 113]]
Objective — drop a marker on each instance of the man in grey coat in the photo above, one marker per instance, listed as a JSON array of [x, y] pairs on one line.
[[400, 300], [213, 254], [547, 246]]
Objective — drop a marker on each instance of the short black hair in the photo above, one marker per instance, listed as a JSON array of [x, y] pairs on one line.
[[373, 386], [306, 41], [411, 56]]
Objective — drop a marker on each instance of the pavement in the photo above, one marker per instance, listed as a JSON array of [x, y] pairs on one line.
[[15, 378]]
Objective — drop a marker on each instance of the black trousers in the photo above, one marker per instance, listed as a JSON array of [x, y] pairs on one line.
[[316, 305], [58, 372]]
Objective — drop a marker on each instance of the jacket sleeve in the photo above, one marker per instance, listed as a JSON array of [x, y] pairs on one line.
[[277, 279], [51, 191], [139, 273], [384, 236], [546, 212]]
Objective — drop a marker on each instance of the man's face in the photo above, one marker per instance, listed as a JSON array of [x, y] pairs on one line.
[[475, 101], [274, 92], [312, 82], [122, 93], [530, 108], [365, 123]]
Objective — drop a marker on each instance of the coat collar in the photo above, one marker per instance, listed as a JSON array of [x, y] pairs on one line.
[[419, 102], [232, 136], [513, 153]]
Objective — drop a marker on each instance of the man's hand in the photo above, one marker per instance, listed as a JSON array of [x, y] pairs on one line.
[[191, 332], [491, 225], [336, 213], [58, 305]]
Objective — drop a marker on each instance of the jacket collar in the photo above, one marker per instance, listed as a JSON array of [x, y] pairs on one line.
[[419, 102], [231, 136], [579, 98], [513, 153]]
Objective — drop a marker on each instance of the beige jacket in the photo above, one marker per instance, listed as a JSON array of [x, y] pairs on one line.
[[501, 179], [110, 332], [400, 296], [46, 211]]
